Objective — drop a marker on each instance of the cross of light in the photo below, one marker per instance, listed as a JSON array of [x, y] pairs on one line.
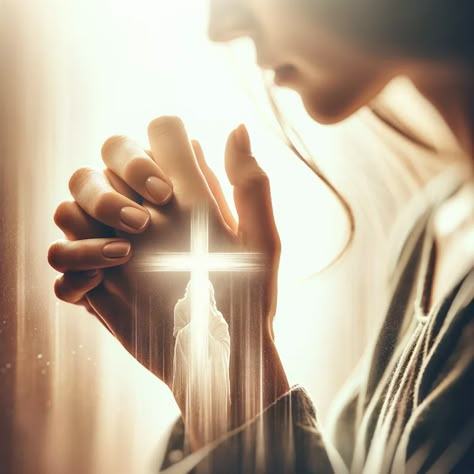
[[199, 262], [199, 259]]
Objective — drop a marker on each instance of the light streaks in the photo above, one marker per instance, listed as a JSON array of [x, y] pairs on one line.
[[201, 359]]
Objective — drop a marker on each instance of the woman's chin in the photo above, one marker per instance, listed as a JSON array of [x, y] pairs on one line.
[[328, 110]]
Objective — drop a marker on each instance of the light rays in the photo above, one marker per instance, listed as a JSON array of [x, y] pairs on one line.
[[201, 355]]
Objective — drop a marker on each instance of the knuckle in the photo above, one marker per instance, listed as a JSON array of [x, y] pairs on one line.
[[59, 289], [104, 203], [137, 165], [257, 185], [79, 178], [276, 248], [272, 255], [165, 125], [64, 213], [272, 247], [260, 180], [274, 242], [56, 255], [111, 144], [65, 290]]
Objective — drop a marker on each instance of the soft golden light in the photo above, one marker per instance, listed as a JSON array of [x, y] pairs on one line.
[[95, 68]]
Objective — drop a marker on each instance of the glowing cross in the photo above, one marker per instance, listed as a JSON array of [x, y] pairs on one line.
[[199, 262]]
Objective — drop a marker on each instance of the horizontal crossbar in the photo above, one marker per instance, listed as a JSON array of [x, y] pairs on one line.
[[188, 262]]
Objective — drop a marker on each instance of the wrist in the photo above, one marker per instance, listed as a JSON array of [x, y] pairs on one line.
[[257, 377], [257, 380]]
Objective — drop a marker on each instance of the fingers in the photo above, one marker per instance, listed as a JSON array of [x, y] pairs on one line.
[[95, 195], [76, 224], [132, 164], [122, 187], [66, 256], [72, 287], [214, 186], [173, 152], [252, 195]]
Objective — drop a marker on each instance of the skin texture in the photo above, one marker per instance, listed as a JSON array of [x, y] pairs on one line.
[[143, 198], [110, 293], [322, 61], [334, 73]]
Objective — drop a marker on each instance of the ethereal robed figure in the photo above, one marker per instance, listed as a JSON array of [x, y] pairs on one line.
[[210, 337]]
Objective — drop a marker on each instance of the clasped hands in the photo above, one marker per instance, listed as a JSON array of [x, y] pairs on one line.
[[144, 199]]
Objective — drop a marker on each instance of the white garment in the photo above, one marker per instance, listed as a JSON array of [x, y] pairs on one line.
[[204, 381]]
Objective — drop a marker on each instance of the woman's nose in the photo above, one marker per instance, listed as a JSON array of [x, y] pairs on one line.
[[228, 20]]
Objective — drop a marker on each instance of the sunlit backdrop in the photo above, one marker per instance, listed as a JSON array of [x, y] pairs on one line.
[[78, 72]]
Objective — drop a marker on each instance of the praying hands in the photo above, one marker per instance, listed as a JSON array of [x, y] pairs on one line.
[[141, 206]]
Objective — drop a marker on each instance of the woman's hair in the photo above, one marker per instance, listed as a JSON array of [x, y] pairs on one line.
[[435, 29], [295, 143]]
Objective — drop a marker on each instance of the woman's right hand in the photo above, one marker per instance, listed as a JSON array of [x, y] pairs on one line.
[[143, 200]]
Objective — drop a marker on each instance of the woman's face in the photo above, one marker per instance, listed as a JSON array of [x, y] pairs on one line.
[[333, 76]]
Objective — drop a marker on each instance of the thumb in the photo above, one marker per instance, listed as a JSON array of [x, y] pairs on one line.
[[252, 195]]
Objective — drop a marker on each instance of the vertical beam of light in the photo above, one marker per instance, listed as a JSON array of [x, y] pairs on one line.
[[200, 287], [199, 376], [206, 379]]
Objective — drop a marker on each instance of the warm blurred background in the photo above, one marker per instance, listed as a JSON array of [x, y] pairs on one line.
[[73, 73]]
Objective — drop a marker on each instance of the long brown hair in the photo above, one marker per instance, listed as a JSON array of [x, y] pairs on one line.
[[294, 142]]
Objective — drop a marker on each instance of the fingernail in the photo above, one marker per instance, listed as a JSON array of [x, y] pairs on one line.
[[116, 249], [242, 139], [158, 189], [91, 273], [134, 218]]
